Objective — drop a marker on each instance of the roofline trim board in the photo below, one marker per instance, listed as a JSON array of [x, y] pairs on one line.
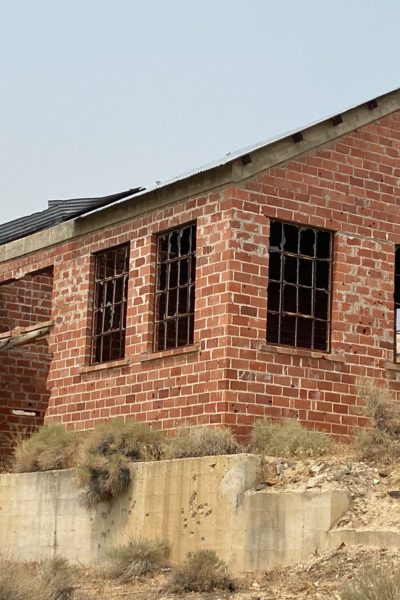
[[206, 180]]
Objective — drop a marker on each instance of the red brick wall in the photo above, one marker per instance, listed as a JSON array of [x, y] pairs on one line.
[[351, 188], [230, 375], [23, 370]]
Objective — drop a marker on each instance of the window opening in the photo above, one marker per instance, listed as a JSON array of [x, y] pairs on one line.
[[397, 303], [110, 301], [175, 287], [299, 286]]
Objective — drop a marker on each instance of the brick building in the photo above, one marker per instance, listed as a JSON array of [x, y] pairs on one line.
[[263, 284]]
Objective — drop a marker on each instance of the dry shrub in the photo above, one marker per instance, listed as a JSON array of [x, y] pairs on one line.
[[373, 584], [379, 443], [137, 558], [51, 447], [47, 580], [106, 453], [103, 478], [135, 440], [201, 441], [6, 464], [55, 579], [378, 403], [376, 445], [202, 571], [288, 438]]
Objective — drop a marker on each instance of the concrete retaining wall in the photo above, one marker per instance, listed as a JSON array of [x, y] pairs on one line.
[[194, 503]]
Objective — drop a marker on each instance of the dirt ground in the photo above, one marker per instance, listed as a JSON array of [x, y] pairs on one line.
[[323, 576], [373, 506]]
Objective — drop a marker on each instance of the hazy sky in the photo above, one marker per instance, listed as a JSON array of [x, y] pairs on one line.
[[101, 95]]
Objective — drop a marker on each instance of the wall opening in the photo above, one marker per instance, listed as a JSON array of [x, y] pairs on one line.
[[24, 367]]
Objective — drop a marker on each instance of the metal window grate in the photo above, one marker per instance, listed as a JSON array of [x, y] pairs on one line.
[[109, 307], [175, 287], [299, 286], [397, 304]]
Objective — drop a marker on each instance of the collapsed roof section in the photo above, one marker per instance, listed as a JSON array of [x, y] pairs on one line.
[[57, 212]]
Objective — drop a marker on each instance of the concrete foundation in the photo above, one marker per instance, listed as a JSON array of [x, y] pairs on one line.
[[194, 503]]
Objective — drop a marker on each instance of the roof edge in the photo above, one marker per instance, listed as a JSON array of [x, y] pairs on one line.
[[235, 169]]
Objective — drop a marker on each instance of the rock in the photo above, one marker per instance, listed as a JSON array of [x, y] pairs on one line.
[[281, 465], [260, 486], [384, 472], [394, 493], [314, 470], [271, 482]]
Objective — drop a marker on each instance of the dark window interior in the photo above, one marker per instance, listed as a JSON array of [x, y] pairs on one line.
[[299, 286], [397, 303], [110, 299], [175, 287]]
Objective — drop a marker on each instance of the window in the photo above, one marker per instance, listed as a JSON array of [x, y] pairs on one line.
[[299, 286], [110, 296], [175, 287], [397, 304]]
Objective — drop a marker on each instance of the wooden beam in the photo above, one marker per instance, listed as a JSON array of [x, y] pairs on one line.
[[13, 341]]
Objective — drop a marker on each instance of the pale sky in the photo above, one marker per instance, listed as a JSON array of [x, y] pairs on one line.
[[98, 96]]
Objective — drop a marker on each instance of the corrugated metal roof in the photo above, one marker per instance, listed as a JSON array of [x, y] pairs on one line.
[[63, 210], [57, 212], [232, 156]]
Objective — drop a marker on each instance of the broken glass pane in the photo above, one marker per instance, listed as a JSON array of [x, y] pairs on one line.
[[307, 242], [290, 298], [274, 271], [305, 271], [290, 269], [273, 328], [323, 244], [304, 332], [275, 236], [288, 330], [274, 292], [291, 241]]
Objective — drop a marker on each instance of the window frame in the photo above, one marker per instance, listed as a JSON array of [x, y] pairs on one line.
[[100, 309], [328, 290], [190, 284]]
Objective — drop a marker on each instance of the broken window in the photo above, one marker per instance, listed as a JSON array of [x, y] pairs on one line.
[[299, 286], [175, 287], [110, 300], [397, 303]]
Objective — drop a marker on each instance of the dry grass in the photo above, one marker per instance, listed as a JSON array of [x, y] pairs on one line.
[[373, 584], [106, 453], [103, 478], [378, 403], [379, 443], [137, 558], [202, 571], [51, 447], [47, 580], [288, 438], [201, 441], [136, 441], [376, 446]]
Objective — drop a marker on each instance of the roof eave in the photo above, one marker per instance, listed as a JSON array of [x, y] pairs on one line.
[[235, 169]]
